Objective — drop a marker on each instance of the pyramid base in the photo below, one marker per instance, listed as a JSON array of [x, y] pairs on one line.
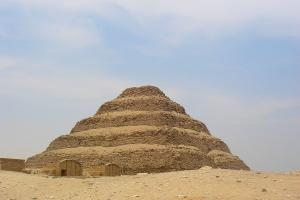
[[133, 159]]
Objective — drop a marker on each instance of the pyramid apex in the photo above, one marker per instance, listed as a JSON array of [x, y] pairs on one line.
[[147, 90]]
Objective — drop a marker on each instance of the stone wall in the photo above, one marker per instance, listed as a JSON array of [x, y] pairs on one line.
[[9, 164]]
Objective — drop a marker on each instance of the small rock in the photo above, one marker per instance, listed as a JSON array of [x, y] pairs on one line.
[[206, 168], [141, 174], [182, 196], [264, 190], [135, 195], [265, 176], [34, 198], [217, 176], [238, 181]]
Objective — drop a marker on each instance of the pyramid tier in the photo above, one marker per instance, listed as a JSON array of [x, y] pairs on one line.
[[135, 118], [142, 91], [141, 103], [134, 158], [226, 160], [116, 136]]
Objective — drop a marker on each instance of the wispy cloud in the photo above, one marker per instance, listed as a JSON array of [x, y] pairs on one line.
[[7, 62], [58, 83], [189, 16], [234, 107], [70, 34]]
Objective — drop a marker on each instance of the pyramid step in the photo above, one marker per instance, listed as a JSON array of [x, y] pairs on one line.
[[134, 118], [116, 136], [134, 158], [141, 103]]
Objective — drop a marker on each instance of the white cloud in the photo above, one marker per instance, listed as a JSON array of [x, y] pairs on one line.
[[68, 34], [189, 15], [72, 86], [234, 107], [58, 82], [7, 62], [169, 22]]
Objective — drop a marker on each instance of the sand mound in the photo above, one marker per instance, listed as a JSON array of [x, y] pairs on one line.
[[141, 131]]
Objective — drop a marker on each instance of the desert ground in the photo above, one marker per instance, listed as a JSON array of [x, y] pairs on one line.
[[201, 184]]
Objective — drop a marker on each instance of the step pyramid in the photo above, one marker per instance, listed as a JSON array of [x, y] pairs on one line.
[[142, 130]]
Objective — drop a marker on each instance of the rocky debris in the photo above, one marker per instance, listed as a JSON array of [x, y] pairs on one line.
[[142, 174], [206, 168]]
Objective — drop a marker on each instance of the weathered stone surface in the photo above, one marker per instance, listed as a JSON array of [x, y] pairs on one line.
[[141, 103], [226, 160], [134, 158], [116, 136], [142, 131], [142, 91], [10, 164], [136, 118]]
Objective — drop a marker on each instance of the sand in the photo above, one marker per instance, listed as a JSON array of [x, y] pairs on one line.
[[202, 184]]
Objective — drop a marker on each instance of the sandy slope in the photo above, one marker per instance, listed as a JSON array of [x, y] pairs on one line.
[[202, 184]]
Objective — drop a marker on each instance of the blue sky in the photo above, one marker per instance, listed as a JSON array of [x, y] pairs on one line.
[[232, 64]]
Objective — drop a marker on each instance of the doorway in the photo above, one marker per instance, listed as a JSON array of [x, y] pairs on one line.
[[63, 172], [69, 168]]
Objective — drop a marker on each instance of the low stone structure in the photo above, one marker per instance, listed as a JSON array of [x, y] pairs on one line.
[[69, 168], [111, 170], [10, 164], [108, 169]]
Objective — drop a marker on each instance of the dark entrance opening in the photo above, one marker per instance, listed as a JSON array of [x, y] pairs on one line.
[[63, 172]]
